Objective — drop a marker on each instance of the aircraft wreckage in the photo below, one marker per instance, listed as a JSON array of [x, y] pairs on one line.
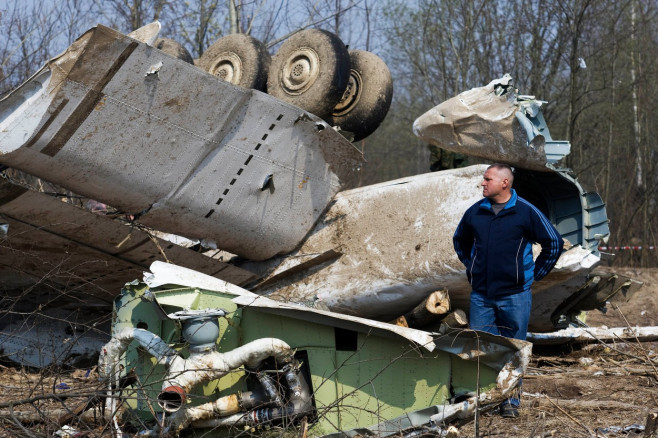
[[286, 321]]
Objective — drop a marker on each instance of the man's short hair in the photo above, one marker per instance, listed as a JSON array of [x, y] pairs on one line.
[[504, 167]]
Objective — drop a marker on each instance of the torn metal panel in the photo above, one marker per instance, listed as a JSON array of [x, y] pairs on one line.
[[59, 338], [423, 339], [188, 153], [88, 254], [168, 273], [494, 123], [599, 289], [361, 374]]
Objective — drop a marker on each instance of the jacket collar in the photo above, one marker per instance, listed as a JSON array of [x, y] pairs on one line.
[[486, 203]]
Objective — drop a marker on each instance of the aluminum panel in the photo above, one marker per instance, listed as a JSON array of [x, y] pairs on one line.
[[128, 125], [66, 245]]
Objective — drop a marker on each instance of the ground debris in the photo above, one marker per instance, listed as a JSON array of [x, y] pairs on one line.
[[602, 391]]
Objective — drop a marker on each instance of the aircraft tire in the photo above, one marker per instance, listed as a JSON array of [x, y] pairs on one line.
[[173, 48], [368, 96], [310, 70], [239, 59]]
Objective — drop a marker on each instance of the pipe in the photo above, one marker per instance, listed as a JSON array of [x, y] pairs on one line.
[[300, 404], [270, 389], [226, 410], [114, 349], [111, 352], [229, 406], [223, 407], [204, 367], [185, 373]]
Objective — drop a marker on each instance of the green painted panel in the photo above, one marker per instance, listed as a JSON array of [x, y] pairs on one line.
[[131, 311], [323, 380], [465, 376], [367, 380], [318, 342], [386, 378], [382, 379], [296, 333]]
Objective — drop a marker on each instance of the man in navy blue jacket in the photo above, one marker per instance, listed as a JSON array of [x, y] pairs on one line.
[[494, 241]]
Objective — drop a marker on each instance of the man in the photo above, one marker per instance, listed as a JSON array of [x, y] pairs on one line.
[[494, 241]]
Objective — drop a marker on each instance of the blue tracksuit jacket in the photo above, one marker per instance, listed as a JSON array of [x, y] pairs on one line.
[[497, 249]]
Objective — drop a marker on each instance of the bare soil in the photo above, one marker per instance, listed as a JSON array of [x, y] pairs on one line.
[[572, 391]]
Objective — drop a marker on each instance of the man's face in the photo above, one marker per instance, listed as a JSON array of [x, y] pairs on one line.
[[493, 184]]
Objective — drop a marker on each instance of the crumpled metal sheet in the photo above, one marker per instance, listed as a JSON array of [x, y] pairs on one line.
[[507, 358], [91, 255], [395, 247], [493, 123], [44, 341], [121, 122], [167, 273]]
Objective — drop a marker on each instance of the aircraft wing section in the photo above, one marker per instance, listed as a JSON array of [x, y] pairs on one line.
[[121, 122]]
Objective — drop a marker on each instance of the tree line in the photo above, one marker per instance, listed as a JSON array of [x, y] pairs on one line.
[[594, 62]]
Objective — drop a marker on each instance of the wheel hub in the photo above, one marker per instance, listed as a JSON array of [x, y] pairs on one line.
[[228, 67], [351, 95], [300, 71]]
